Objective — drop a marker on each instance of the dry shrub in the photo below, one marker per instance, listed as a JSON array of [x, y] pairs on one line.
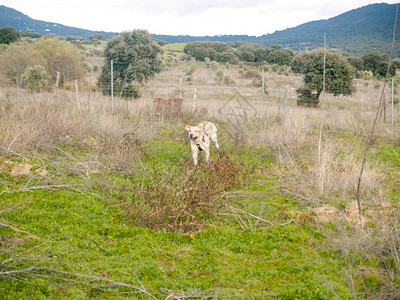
[[39, 121], [332, 178], [370, 252], [119, 153], [179, 199]]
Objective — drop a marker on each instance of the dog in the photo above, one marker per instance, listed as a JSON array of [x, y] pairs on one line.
[[200, 137]]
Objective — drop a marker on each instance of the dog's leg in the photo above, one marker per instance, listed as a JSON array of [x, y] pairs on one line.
[[214, 138], [207, 153], [195, 150]]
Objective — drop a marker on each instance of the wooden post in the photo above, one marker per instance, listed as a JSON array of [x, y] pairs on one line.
[[77, 94], [262, 86], [112, 86], [56, 85], [392, 101], [194, 103]]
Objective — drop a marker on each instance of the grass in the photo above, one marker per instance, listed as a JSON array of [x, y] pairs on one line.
[[174, 48], [86, 235], [75, 233]]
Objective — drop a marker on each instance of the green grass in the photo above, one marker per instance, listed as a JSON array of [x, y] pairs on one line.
[[81, 233], [174, 48]]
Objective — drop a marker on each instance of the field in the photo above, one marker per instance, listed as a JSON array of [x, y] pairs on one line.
[[105, 203]]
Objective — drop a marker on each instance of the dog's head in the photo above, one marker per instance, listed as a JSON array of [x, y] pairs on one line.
[[194, 131]]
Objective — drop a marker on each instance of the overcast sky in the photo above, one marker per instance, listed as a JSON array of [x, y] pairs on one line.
[[180, 17]]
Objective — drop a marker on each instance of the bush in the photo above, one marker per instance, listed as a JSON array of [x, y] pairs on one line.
[[179, 199], [35, 78], [9, 35]]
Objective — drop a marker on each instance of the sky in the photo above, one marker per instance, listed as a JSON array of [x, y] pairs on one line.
[[186, 17]]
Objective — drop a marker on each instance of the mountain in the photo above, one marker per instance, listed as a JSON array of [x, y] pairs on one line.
[[362, 30], [19, 21]]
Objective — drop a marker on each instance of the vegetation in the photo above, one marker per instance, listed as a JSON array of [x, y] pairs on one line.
[[53, 54], [136, 58], [9, 35], [35, 78], [105, 203], [235, 52], [338, 79]]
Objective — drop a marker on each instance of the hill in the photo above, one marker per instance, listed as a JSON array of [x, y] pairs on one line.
[[362, 30], [19, 21], [366, 29]]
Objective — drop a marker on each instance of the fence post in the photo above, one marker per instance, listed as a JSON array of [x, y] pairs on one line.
[[392, 101], [77, 94], [112, 86], [194, 103], [262, 86], [56, 85]]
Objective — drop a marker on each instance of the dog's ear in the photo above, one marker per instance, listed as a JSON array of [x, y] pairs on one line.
[[202, 125], [187, 127]]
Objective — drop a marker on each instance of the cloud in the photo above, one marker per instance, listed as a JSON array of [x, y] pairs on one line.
[[191, 17]]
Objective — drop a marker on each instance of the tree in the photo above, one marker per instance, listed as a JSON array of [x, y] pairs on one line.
[[53, 54], [95, 38], [9, 35], [136, 58], [280, 56], [59, 56], [16, 59], [373, 60], [356, 62], [339, 75]]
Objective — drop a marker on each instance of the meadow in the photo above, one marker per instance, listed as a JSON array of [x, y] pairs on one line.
[[105, 203]]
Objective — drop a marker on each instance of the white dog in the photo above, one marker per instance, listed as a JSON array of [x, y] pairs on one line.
[[200, 137]]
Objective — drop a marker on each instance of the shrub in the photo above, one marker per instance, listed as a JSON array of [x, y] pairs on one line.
[[35, 78], [179, 199]]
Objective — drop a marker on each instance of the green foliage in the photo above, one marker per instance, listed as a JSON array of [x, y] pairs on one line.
[[53, 54], [58, 56], [357, 63], [16, 59], [136, 58], [9, 35], [35, 78], [235, 52], [339, 75], [32, 35], [95, 38], [373, 62]]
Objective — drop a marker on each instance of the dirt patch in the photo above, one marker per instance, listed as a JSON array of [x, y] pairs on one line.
[[351, 211], [326, 213], [41, 172], [365, 272], [21, 169]]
